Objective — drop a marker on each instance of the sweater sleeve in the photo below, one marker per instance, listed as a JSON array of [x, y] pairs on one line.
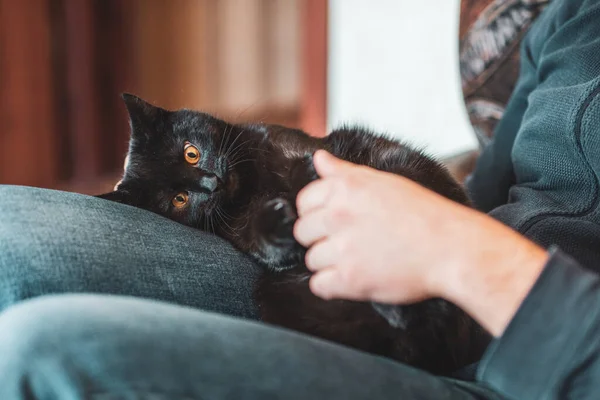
[[542, 175], [551, 348]]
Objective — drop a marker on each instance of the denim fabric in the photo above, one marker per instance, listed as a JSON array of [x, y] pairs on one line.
[[111, 347], [57, 242]]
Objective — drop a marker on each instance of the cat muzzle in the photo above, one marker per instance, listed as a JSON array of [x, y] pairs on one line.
[[211, 183]]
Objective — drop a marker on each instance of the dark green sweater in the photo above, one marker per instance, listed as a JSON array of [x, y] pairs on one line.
[[540, 176]]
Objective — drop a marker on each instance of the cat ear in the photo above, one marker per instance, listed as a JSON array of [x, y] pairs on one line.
[[146, 119]]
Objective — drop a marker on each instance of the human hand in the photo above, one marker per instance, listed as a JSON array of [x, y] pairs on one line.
[[381, 237], [373, 235]]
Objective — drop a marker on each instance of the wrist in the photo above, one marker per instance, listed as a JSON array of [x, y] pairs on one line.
[[492, 273]]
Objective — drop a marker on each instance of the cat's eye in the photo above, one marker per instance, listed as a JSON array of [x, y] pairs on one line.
[[191, 153], [180, 200]]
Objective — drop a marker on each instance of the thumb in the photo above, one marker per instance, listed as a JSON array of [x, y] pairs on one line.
[[328, 165]]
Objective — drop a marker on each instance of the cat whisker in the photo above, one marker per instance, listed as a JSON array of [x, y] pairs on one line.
[[238, 154], [241, 229], [235, 220], [225, 134], [227, 144], [221, 219], [258, 149], [228, 152], [239, 115], [227, 140], [234, 152], [211, 225], [239, 162], [226, 214]]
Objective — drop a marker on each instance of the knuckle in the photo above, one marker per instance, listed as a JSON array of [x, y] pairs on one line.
[[343, 186], [352, 183], [337, 217], [346, 189], [348, 279], [352, 277], [342, 247]]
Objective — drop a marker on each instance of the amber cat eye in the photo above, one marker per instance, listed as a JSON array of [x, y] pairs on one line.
[[180, 200], [191, 153]]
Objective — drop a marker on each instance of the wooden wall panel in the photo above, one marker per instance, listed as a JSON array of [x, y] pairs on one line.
[[28, 146], [282, 38], [242, 55], [170, 54], [115, 75], [314, 67], [238, 59], [63, 64], [82, 90]]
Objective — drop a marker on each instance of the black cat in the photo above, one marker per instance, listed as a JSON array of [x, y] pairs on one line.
[[240, 182]]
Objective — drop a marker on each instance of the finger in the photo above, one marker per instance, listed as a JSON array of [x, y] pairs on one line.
[[312, 196], [324, 284], [312, 227], [321, 255], [329, 165], [331, 284]]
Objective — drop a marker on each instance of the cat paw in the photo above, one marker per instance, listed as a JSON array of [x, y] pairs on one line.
[[309, 168], [303, 173], [276, 222]]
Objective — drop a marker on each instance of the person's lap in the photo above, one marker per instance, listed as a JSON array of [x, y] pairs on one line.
[[55, 242], [86, 346]]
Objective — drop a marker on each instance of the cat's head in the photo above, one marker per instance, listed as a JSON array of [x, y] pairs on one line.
[[179, 163]]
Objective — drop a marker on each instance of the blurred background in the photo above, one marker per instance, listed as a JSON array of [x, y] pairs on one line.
[[313, 64]]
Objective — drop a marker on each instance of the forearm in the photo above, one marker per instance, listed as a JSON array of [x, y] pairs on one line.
[[491, 279], [543, 308]]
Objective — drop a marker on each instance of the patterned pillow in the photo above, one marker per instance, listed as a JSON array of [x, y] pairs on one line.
[[490, 33]]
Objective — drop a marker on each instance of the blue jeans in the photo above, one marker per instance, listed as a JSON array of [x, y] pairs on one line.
[[168, 339]]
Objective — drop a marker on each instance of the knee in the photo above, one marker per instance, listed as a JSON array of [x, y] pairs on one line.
[[29, 245], [25, 270], [38, 341], [43, 248], [48, 326], [34, 329]]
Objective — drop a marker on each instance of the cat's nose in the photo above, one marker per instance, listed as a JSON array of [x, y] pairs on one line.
[[209, 183]]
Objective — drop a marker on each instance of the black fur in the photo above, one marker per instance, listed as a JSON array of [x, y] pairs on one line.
[[259, 170]]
